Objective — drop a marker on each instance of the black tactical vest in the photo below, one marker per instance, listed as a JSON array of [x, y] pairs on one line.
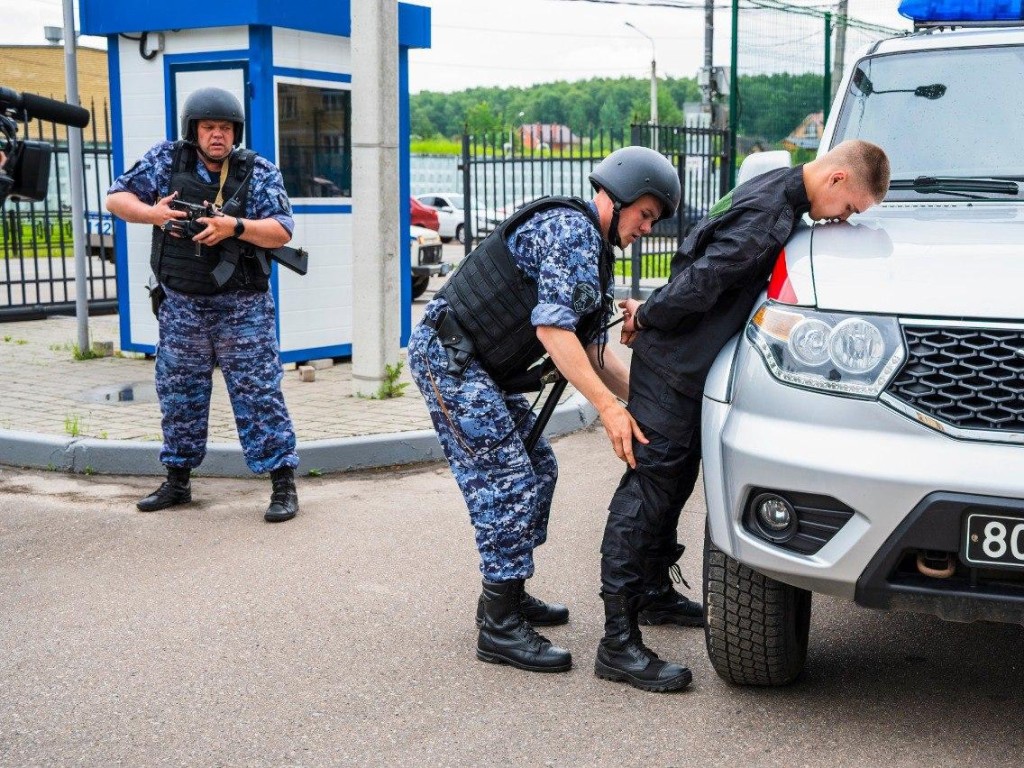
[[174, 260], [493, 300]]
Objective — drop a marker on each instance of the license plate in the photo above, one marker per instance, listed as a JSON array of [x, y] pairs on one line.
[[994, 540]]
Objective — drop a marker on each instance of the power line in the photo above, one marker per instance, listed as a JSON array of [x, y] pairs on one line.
[[534, 33]]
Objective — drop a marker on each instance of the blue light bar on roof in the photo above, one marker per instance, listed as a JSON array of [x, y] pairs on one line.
[[971, 11]]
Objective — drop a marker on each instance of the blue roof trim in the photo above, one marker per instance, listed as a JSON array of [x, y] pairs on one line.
[[325, 208], [330, 17], [312, 74], [413, 26]]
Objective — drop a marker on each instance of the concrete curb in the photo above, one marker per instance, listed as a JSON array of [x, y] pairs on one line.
[[136, 457]]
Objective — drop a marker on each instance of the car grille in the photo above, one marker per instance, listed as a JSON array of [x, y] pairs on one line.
[[430, 254], [968, 378]]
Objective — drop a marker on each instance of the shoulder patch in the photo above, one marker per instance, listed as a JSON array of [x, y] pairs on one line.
[[721, 206], [584, 298], [286, 206]]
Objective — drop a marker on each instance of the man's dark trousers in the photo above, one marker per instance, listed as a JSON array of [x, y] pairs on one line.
[[640, 541]]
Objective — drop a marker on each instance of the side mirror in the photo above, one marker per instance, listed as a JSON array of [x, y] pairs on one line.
[[862, 83]]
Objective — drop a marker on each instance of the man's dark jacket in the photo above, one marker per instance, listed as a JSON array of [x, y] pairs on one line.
[[717, 275]]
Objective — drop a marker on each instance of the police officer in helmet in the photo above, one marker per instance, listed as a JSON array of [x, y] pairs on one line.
[[541, 282], [216, 307]]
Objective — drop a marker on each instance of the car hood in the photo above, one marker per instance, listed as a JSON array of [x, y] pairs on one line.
[[948, 260]]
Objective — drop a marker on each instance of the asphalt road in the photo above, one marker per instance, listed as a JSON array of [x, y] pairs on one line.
[[202, 636]]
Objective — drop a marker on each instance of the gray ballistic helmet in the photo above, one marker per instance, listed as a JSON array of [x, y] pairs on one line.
[[631, 172], [211, 104]]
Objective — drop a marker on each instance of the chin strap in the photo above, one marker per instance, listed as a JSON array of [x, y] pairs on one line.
[[613, 227]]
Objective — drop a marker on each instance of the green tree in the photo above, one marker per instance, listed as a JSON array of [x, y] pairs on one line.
[[481, 119]]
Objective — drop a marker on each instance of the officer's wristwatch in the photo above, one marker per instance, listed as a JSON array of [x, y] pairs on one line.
[[239, 227]]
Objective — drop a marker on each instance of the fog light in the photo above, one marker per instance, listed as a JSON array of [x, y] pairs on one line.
[[774, 514], [772, 517]]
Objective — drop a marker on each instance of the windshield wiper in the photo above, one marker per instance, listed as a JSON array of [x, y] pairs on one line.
[[953, 184]]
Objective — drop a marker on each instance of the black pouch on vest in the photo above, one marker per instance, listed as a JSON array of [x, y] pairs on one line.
[[456, 343]]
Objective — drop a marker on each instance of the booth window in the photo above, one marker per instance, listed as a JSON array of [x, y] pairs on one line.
[[314, 133]]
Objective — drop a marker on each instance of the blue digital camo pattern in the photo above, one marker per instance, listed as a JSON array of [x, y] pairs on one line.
[[150, 178], [235, 330], [508, 492]]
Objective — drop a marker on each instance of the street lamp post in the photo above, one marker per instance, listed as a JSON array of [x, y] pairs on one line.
[[654, 86]]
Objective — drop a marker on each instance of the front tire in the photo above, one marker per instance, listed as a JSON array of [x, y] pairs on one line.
[[757, 627], [419, 285], [460, 233]]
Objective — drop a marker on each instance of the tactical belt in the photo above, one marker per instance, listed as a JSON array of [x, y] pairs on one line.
[[460, 351]]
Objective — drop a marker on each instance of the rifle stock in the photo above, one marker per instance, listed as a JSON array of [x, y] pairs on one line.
[[295, 259]]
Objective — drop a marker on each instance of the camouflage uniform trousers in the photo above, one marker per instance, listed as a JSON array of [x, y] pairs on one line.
[[235, 330], [507, 491]]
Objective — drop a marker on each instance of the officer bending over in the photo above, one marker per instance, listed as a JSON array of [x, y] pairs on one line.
[[217, 308], [541, 282], [717, 275]]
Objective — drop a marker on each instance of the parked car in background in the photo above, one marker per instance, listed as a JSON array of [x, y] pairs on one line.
[[864, 436], [492, 217], [451, 213], [425, 258], [421, 215]]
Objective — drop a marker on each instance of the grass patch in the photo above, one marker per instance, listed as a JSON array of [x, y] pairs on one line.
[[83, 354], [435, 146], [391, 386], [652, 265], [73, 424]]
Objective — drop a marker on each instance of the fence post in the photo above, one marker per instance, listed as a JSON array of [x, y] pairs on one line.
[[635, 250], [467, 195], [826, 79]]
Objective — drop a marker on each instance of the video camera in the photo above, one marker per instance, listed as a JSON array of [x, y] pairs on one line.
[[26, 173]]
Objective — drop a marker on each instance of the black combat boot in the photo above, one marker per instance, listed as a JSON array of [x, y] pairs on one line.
[[506, 637], [176, 489], [623, 657], [670, 607], [284, 500], [536, 611]]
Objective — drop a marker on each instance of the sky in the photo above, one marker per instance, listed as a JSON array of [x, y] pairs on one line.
[[522, 42]]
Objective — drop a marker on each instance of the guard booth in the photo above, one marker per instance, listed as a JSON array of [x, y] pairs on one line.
[[290, 66]]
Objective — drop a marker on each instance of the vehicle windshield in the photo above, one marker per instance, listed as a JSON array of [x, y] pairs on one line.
[[952, 113], [456, 201]]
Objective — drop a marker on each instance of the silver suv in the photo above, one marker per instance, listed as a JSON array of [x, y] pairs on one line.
[[864, 437]]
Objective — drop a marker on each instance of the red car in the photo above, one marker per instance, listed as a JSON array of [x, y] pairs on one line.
[[423, 215]]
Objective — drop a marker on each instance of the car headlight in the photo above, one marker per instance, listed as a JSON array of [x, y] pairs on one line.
[[829, 351]]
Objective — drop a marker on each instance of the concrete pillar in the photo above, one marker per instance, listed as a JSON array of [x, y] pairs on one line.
[[375, 203]]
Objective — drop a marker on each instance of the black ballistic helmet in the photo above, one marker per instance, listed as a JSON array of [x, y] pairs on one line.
[[211, 104], [629, 173]]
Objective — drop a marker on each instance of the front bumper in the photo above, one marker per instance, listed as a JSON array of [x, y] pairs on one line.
[[761, 434]]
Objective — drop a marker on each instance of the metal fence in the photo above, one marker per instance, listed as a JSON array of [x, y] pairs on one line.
[[787, 59], [503, 172], [37, 266]]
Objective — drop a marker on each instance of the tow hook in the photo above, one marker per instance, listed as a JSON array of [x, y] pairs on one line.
[[937, 565]]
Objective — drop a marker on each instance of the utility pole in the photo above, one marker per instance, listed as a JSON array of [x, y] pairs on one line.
[[839, 54], [77, 182], [375, 208], [707, 87], [654, 87]]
